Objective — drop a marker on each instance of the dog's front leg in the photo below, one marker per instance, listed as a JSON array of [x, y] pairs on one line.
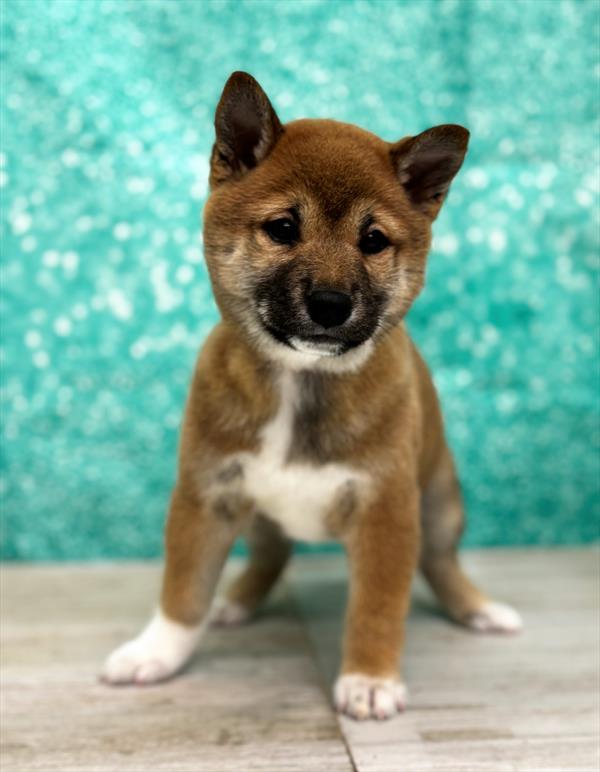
[[198, 540], [382, 546]]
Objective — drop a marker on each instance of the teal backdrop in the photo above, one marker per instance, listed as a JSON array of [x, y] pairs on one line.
[[107, 113]]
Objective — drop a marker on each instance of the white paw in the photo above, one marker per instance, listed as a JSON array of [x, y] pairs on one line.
[[495, 617], [227, 613], [156, 654], [361, 696]]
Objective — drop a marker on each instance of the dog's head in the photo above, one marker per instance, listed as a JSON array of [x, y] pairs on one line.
[[316, 232]]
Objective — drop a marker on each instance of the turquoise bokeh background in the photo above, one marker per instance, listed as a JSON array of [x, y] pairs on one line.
[[106, 131]]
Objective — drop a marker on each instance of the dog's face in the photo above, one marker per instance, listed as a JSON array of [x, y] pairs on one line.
[[316, 232]]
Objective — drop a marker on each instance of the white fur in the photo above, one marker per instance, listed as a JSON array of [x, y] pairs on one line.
[[304, 356], [361, 696], [495, 617], [228, 613], [160, 650], [329, 349], [296, 495]]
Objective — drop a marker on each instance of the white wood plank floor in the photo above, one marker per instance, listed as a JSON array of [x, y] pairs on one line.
[[257, 697]]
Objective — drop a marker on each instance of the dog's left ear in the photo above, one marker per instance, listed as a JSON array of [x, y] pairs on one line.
[[246, 126], [426, 164]]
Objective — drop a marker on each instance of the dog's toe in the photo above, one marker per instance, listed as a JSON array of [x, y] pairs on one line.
[[495, 617], [363, 697], [133, 663]]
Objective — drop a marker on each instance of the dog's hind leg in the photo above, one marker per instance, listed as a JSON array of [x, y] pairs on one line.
[[442, 526], [269, 553]]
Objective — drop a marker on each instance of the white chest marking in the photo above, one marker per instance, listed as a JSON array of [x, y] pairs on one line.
[[295, 495]]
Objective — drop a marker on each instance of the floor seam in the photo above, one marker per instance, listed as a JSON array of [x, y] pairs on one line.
[[322, 679]]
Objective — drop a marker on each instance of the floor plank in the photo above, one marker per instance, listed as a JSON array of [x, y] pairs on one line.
[[528, 702], [252, 699], [257, 698]]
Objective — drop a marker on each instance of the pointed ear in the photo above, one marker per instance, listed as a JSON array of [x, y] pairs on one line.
[[426, 164], [246, 126]]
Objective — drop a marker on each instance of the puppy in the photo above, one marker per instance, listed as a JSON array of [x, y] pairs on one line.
[[311, 414]]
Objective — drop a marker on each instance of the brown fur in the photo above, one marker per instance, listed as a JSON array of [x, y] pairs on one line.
[[381, 418]]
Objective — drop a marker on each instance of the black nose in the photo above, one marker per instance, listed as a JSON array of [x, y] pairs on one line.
[[329, 308]]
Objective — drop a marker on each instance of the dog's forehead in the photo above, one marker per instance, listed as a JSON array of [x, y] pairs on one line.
[[335, 164]]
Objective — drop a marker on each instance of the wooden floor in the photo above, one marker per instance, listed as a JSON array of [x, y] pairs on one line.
[[257, 697]]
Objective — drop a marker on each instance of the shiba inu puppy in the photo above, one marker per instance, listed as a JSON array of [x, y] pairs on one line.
[[311, 414]]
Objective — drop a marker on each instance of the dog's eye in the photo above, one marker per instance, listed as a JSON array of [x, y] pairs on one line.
[[373, 242], [282, 231]]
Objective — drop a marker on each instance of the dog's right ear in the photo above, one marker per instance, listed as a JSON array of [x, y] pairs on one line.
[[247, 128]]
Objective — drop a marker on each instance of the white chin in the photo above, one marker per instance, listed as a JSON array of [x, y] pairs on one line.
[[315, 349], [301, 355]]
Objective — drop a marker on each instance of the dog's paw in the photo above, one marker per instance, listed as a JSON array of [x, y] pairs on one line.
[[155, 655], [495, 617], [228, 613], [135, 663], [363, 697]]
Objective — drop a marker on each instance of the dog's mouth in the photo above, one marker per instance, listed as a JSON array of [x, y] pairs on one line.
[[318, 345]]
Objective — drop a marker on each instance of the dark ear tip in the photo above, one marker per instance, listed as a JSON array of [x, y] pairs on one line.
[[457, 133], [240, 79]]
